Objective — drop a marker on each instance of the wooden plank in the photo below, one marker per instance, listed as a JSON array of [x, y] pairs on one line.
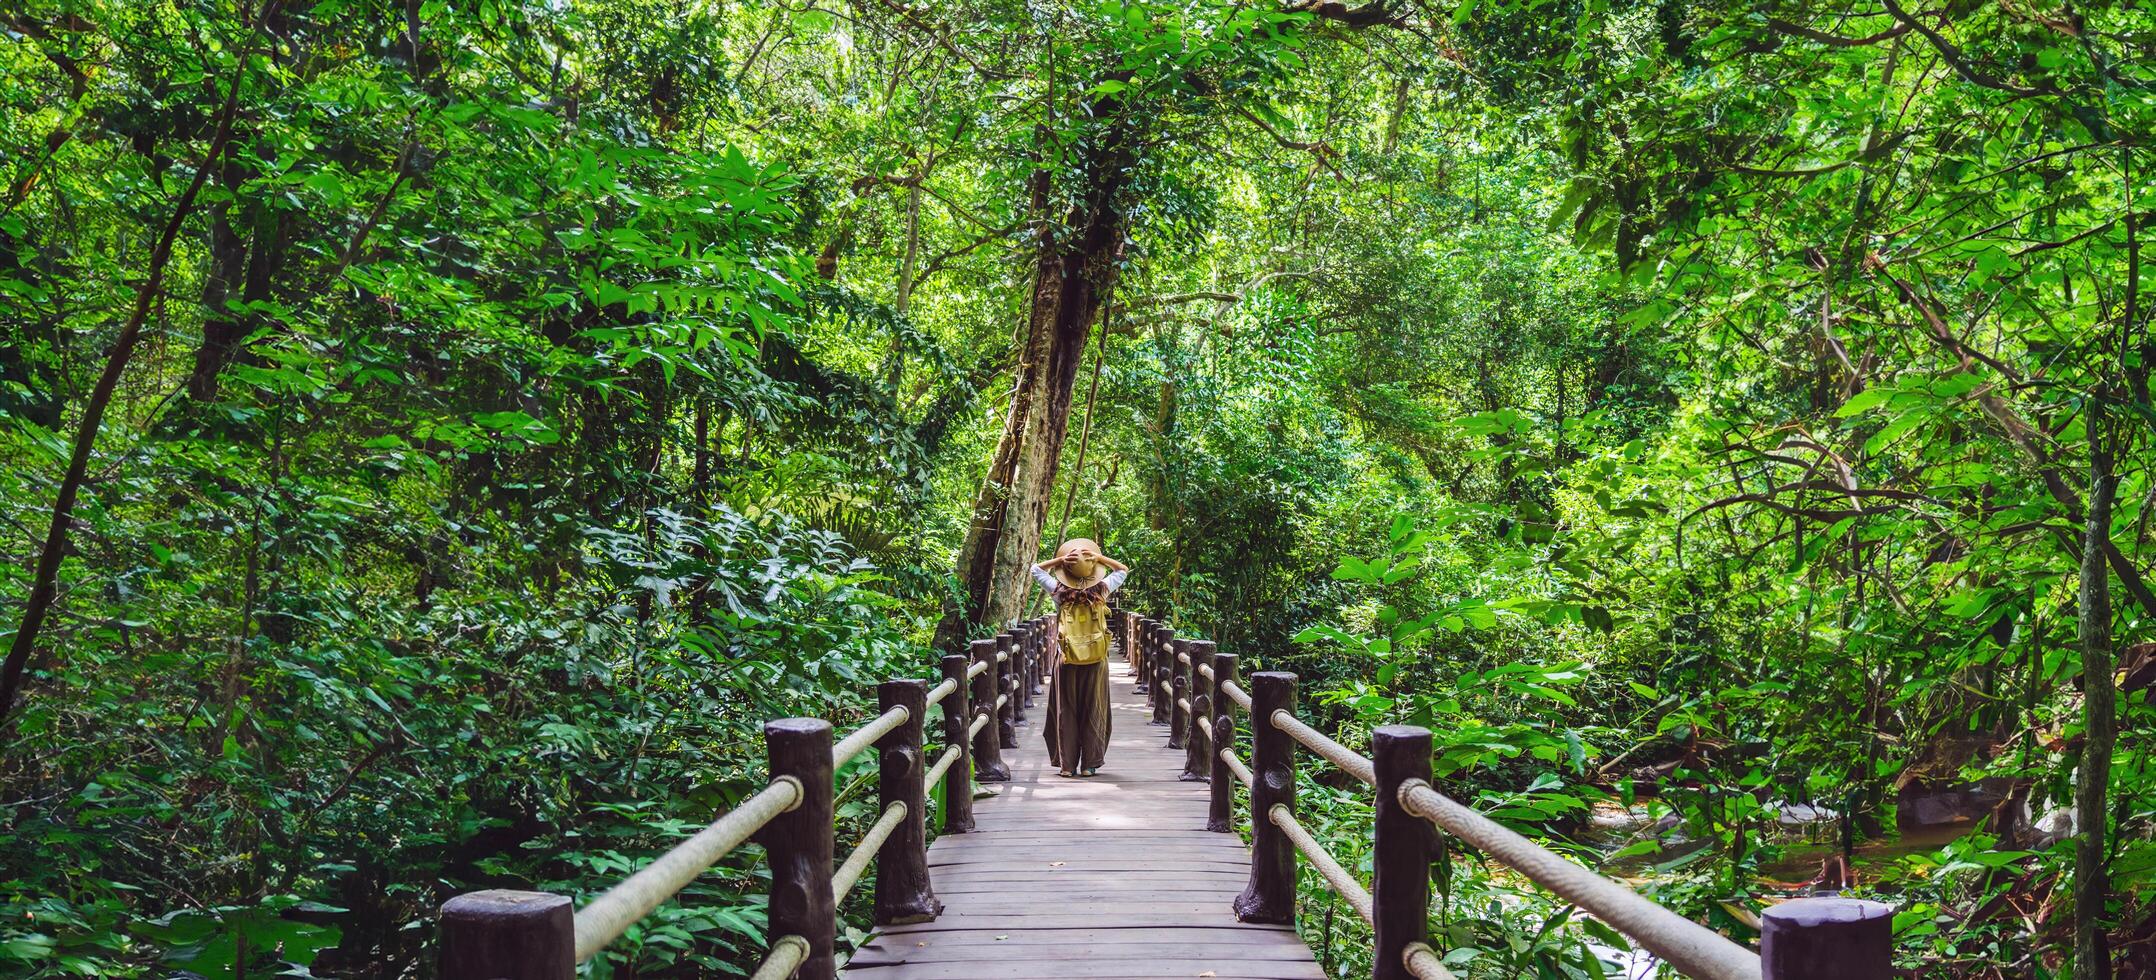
[[1251, 936], [1222, 950], [999, 969]]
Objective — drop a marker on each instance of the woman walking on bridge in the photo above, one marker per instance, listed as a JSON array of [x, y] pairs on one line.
[[1080, 578]]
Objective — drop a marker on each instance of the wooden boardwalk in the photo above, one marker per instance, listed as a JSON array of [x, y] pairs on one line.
[[1108, 877]]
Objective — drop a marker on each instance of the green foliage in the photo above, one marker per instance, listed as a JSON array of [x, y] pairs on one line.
[[1682, 409]]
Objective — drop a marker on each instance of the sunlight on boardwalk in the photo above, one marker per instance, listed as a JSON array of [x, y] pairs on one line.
[[1109, 877]]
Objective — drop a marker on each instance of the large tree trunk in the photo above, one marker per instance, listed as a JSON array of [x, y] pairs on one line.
[[1071, 278]]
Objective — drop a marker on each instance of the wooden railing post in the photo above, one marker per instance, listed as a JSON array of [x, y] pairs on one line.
[[1036, 658], [1197, 764], [1049, 640], [1022, 672], [514, 934], [903, 891], [1220, 810], [1006, 724], [1822, 938], [1162, 655], [1141, 666], [1401, 852], [988, 764], [798, 844], [958, 779], [1016, 672], [1179, 725], [1270, 895]]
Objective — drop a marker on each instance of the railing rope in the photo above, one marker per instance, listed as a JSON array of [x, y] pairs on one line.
[[1343, 884], [943, 765], [1696, 950], [1423, 963], [1235, 693], [866, 735], [1350, 761], [612, 913], [863, 854], [785, 957], [1235, 765]]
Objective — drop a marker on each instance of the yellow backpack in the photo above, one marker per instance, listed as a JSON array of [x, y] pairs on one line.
[[1083, 627]]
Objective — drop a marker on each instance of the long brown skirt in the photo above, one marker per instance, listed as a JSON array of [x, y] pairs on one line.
[[1077, 729]]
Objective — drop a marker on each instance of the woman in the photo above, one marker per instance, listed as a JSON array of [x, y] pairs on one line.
[[1079, 577]]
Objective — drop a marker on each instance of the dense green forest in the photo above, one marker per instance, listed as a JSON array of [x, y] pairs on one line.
[[437, 434]]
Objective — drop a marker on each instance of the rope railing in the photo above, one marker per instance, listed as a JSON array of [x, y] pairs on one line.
[[1424, 963], [616, 909], [1235, 765], [1342, 883], [864, 853], [1684, 944], [1195, 691], [943, 764], [1350, 761], [786, 955], [866, 735], [539, 936]]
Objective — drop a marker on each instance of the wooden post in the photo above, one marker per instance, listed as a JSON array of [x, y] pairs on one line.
[[957, 780], [514, 934], [1024, 668], [1051, 638], [1401, 852], [1006, 723], [1015, 672], [1037, 654], [797, 844], [988, 764], [903, 891], [1179, 725], [1197, 764], [1162, 654], [1220, 810], [1827, 939], [1270, 896], [1141, 667]]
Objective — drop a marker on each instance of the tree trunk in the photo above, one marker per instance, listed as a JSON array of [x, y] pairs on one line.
[[1071, 278], [2092, 957]]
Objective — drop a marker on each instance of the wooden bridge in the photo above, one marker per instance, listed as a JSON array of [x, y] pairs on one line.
[[1112, 876], [1135, 873]]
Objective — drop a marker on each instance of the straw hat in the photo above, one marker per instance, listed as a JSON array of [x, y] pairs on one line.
[[1079, 574]]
